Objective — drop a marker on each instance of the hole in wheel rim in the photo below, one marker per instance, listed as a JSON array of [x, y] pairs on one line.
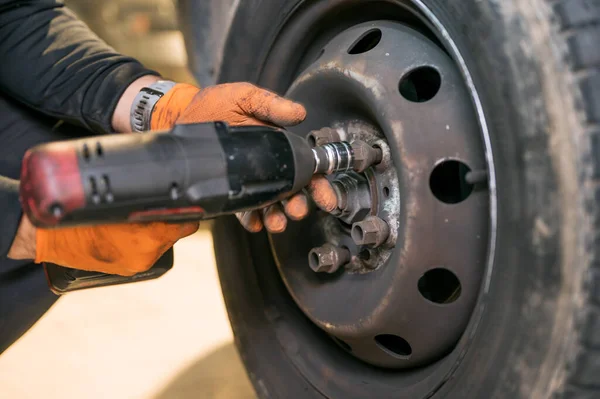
[[447, 182], [394, 345], [440, 286], [420, 84], [368, 41]]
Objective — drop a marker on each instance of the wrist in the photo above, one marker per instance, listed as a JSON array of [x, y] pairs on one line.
[[145, 103], [172, 105], [24, 244], [121, 121]]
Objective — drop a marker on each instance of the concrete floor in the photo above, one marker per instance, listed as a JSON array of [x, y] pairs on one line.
[[164, 339]]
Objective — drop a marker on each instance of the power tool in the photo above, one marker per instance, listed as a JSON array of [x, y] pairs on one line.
[[191, 172]]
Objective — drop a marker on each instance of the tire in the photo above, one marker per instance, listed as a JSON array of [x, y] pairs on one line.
[[536, 330]]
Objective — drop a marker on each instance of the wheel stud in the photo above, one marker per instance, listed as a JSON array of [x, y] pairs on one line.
[[372, 231], [365, 155], [328, 258]]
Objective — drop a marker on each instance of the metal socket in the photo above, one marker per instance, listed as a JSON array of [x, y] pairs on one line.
[[328, 258], [372, 231], [323, 136]]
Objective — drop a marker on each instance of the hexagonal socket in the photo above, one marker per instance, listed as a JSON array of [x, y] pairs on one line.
[[328, 258], [372, 231], [323, 136], [365, 155]]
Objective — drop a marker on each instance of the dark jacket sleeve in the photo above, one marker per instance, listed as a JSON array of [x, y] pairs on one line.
[[52, 62], [11, 209]]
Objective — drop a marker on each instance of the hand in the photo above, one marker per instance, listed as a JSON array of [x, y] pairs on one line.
[[245, 104], [114, 249]]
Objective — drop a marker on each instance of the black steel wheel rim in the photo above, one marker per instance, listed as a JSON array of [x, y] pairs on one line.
[[285, 51]]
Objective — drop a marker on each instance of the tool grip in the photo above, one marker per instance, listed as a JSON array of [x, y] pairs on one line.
[[192, 172], [125, 178]]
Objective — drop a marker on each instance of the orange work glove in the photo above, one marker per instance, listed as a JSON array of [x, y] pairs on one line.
[[124, 249], [244, 104]]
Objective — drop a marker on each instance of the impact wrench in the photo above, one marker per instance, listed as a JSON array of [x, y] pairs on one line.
[[192, 172]]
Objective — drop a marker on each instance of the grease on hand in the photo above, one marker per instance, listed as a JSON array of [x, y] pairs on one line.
[[322, 193], [296, 208], [251, 221], [274, 219]]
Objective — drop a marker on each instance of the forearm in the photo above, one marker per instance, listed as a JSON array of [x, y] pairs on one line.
[[121, 117], [52, 62], [23, 245]]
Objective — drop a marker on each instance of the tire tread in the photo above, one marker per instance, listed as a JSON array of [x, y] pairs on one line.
[[579, 23]]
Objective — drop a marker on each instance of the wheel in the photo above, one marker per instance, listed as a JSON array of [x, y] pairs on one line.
[[488, 284]]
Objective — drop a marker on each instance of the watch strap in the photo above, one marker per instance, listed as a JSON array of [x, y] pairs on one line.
[[144, 102]]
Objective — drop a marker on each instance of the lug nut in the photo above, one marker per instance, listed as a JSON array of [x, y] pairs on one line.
[[354, 197], [365, 155], [371, 231], [328, 258], [323, 136]]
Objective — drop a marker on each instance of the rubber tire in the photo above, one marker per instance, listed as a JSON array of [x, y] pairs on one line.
[[536, 65]]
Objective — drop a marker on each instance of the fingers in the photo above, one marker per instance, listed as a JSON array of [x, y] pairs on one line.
[[322, 193], [274, 219], [296, 208], [251, 221], [269, 107]]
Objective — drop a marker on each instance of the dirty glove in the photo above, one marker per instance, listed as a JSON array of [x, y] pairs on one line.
[[124, 249], [244, 104]]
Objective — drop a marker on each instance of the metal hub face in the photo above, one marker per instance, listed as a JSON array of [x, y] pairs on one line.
[[406, 302], [372, 193]]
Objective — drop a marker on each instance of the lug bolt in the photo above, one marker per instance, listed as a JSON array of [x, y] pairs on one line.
[[365, 155], [372, 231], [323, 136], [328, 258], [341, 195]]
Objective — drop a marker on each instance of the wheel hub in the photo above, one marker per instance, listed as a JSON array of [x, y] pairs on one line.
[[406, 302]]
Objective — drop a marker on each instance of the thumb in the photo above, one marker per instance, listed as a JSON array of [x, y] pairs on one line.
[[269, 107]]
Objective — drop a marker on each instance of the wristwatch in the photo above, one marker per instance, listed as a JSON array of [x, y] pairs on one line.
[[144, 102]]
